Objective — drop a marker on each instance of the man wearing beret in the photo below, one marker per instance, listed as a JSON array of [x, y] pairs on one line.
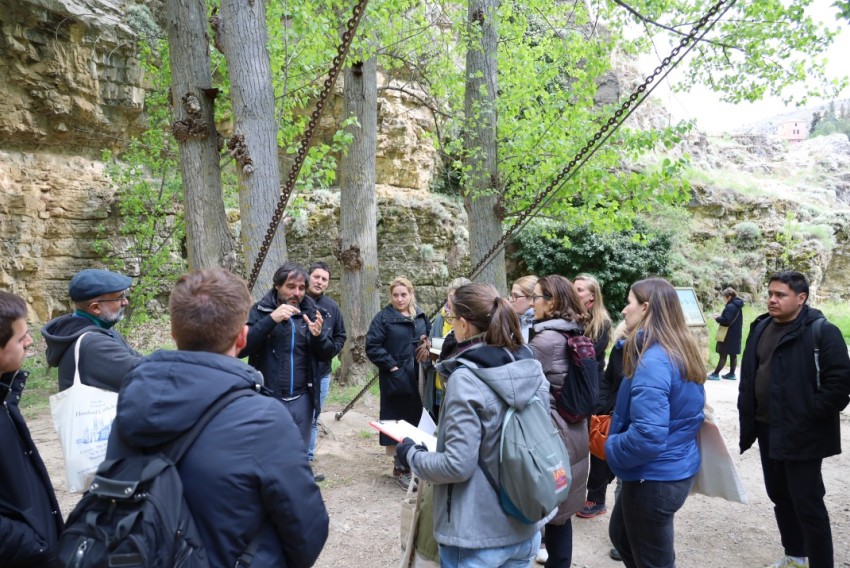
[[105, 357]]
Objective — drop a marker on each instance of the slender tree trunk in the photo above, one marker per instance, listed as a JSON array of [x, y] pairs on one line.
[[358, 219], [243, 37], [208, 237], [482, 195]]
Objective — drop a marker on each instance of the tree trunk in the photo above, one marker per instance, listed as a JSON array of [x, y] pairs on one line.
[[243, 37], [482, 195], [208, 238], [358, 219]]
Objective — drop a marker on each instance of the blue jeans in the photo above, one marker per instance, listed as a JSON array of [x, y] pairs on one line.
[[519, 555], [324, 387], [641, 526]]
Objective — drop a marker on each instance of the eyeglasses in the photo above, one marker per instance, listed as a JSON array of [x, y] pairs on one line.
[[119, 299], [450, 319], [534, 297], [515, 297]]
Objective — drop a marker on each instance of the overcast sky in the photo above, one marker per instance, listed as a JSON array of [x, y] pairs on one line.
[[714, 116]]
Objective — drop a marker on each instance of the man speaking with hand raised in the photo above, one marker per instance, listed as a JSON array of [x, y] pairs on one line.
[[287, 342]]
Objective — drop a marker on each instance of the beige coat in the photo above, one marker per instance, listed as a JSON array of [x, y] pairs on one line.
[[550, 348]]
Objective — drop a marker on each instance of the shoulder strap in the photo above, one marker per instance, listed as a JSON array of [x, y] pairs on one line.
[[175, 449], [816, 331], [77, 357]]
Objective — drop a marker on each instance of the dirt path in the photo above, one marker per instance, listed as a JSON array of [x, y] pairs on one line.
[[363, 500]]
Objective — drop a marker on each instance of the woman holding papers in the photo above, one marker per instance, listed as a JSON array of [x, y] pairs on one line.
[[397, 343], [469, 523], [558, 312], [652, 443]]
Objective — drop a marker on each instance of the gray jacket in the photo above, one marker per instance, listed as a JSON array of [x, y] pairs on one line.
[[550, 348], [466, 508]]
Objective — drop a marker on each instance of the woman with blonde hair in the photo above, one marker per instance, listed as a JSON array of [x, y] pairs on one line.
[[492, 372], [558, 312], [397, 342], [652, 444], [521, 292]]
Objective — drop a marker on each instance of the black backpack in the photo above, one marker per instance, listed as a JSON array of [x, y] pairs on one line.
[[134, 513], [577, 399]]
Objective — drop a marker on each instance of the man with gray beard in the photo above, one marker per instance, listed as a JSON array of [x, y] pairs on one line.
[[100, 297]]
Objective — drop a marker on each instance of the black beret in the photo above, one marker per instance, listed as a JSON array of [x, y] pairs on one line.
[[93, 282]]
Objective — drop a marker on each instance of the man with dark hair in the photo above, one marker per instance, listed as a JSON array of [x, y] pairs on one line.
[[30, 519], [287, 342], [100, 297], [795, 380], [245, 475], [320, 276]]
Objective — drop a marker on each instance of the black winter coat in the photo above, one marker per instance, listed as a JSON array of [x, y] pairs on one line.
[[269, 348], [804, 416], [733, 317], [30, 519], [611, 380], [331, 312], [245, 474], [391, 342]]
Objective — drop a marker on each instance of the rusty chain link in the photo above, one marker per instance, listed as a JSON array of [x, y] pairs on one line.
[[590, 148], [333, 74]]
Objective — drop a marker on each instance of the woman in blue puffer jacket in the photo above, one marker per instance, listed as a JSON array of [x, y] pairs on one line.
[[652, 444]]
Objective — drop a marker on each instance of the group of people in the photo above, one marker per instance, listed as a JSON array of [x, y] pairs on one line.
[[497, 353]]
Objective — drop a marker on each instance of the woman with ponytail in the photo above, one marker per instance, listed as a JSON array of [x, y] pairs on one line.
[[492, 372], [652, 445]]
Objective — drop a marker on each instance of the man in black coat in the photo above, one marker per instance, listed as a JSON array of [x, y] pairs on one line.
[[245, 477], [794, 384], [320, 277], [30, 519], [287, 343]]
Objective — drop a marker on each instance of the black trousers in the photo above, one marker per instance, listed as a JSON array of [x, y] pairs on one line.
[[797, 491], [598, 479]]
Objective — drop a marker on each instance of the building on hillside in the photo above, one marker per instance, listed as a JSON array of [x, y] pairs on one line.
[[793, 130]]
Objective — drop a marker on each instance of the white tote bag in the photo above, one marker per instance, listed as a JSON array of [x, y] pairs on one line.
[[82, 416], [717, 476]]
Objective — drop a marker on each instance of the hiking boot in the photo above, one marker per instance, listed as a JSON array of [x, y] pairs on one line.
[[713, 377], [615, 554], [542, 555], [404, 478], [790, 562], [730, 377], [592, 509]]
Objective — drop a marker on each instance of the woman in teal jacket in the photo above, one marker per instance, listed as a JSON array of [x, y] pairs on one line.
[[652, 444]]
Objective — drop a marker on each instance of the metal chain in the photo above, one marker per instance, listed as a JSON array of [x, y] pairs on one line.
[[613, 123], [333, 74]]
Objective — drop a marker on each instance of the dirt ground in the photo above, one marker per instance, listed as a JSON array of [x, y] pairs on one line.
[[363, 500]]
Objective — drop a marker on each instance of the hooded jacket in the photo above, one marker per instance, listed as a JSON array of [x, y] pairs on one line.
[[466, 507], [105, 356], [550, 348], [30, 519], [246, 472], [804, 406], [273, 348], [657, 415]]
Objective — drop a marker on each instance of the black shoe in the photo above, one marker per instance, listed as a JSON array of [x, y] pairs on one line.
[[615, 554], [318, 477]]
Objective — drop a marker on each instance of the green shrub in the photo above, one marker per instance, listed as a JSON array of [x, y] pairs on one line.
[[617, 259], [747, 235]]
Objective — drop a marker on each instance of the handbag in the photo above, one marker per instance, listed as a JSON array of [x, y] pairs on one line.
[[82, 416], [417, 528], [722, 330], [717, 475], [600, 424]]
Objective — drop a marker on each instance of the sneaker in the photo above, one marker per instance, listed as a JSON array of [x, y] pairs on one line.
[[615, 554], [790, 562], [592, 509], [542, 555], [318, 477], [713, 377], [730, 377], [404, 481]]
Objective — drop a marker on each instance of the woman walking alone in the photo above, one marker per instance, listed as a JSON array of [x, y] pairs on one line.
[[397, 343], [652, 443], [732, 318], [558, 312], [469, 523]]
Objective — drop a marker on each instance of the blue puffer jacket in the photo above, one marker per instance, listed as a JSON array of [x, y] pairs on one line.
[[655, 423], [245, 474]]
